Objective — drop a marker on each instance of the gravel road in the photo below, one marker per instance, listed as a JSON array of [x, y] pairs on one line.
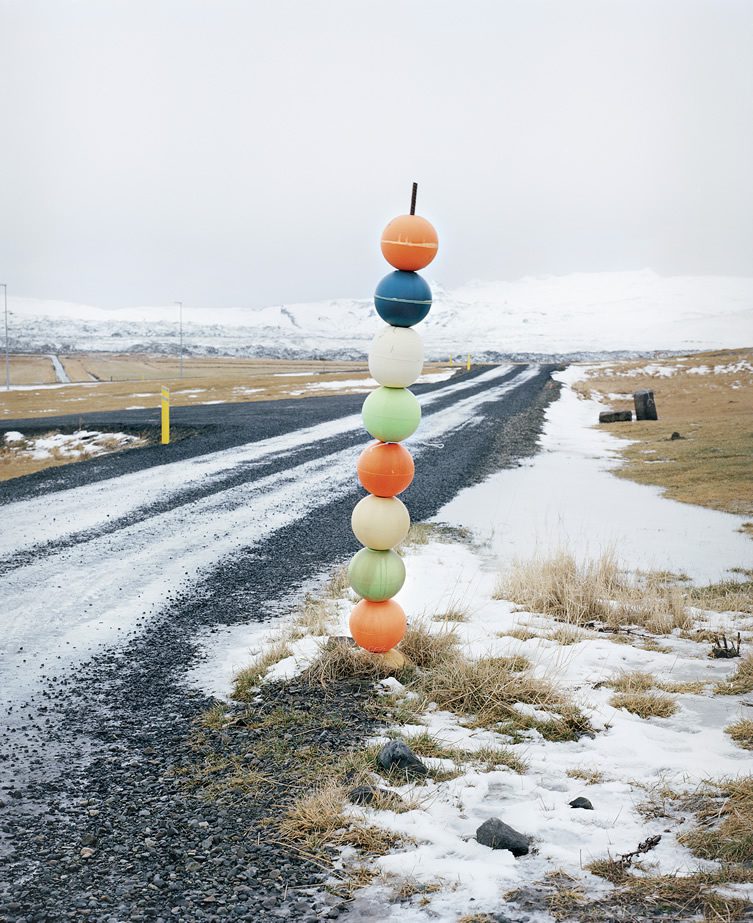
[[116, 569]]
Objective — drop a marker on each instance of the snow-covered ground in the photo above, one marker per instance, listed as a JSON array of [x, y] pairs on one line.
[[583, 313], [80, 444], [565, 497]]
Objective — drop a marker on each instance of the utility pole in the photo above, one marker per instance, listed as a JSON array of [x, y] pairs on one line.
[[7, 354], [180, 307]]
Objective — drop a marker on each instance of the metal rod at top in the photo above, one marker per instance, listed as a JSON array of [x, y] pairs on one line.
[[413, 199]]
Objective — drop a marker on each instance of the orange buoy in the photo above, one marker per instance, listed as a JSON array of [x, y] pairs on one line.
[[377, 626], [385, 468], [409, 242]]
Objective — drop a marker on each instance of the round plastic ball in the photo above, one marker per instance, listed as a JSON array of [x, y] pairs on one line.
[[380, 523], [378, 626], [409, 242], [385, 468], [376, 575], [403, 299], [396, 356], [391, 414]]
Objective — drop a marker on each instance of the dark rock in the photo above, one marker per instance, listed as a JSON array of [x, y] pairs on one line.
[[615, 416], [676, 436], [367, 794], [398, 755], [645, 406], [498, 835], [581, 802]]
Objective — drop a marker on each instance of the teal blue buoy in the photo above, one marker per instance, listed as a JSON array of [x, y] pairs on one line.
[[402, 299]]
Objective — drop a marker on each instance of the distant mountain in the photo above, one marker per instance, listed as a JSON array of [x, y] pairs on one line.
[[584, 314]]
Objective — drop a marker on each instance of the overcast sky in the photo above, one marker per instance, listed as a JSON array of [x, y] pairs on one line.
[[248, 153]]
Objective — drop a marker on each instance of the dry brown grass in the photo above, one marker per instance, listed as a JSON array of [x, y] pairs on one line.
[[741, 732], [317, 819], [30, 370], [488, 690], [426, 647], [568, 634], [312, 617], [587, 775], [248, 679], [522, 634], [338, 585], [645, 704], [630, 682], [110, 381], [711, 465], [595, 591], [493, 757], [339, 661], [734, 595], [741, 680], [724, 809]]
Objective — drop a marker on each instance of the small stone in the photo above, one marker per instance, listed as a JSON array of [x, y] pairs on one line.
[[676, 436], [498, 835], [87, 852], [398, 755], [582, 803]]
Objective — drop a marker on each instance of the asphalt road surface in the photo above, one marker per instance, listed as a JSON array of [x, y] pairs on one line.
[[113, 573]]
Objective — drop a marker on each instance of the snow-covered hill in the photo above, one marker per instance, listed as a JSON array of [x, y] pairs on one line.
[[580, 314]]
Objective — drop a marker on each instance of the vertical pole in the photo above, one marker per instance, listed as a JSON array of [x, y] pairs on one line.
[[468, 363], [165, 415], [7, 354], [180, 309]]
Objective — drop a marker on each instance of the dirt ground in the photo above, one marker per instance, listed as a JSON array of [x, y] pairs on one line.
[[707, 399]]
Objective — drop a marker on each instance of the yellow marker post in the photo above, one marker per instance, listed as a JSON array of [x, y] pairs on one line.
[[468, 363], [165, 415], [450, 360]]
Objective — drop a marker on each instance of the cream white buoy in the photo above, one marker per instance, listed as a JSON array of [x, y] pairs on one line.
[[396, 356], [380, 522]]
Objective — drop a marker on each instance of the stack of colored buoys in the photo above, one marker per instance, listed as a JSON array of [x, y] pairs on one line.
[[391, 414]]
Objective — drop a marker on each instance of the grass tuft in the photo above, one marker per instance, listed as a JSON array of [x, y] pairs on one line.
[[426, 647], [741, 680], [596, 591], [725, 811], [339, 661], [584, 774], [645, 704], [493, 757], [489, 690], [741, 732], [248, 679]]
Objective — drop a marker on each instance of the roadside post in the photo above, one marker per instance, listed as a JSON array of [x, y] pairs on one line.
[[468, 363], [391, 414], [165, 415]]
